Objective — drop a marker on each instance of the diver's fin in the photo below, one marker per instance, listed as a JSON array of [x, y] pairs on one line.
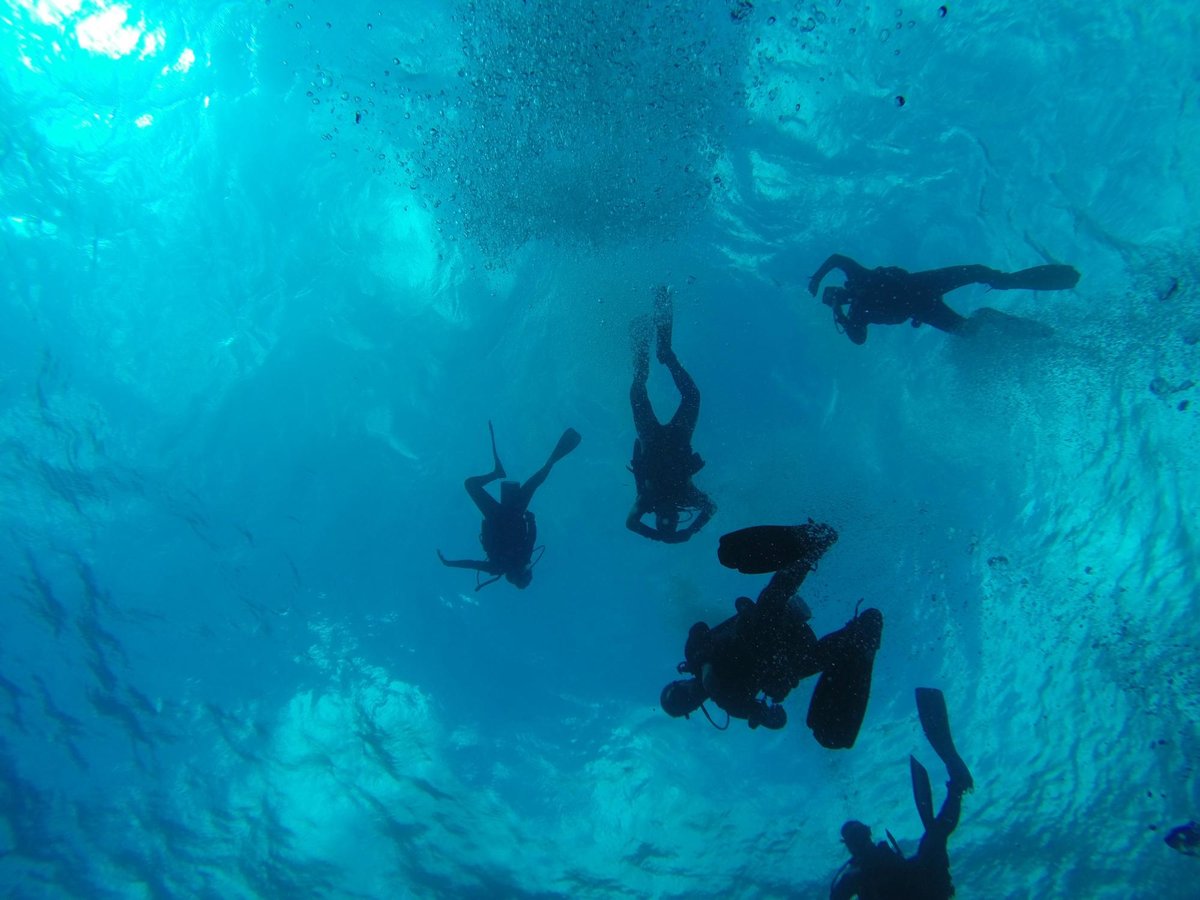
[[497, 466], [569, 441], [664, 320], [769, 548], [839, 701], [922, 792], [935, 721], [1039, 278]]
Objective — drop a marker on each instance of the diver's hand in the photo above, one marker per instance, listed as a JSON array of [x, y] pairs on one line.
[[814, 284], [442, 558]]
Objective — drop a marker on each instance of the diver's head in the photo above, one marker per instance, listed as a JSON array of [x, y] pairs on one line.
[[520, 577], [681, 698], [667, 520], [510, 492], [857, 837]]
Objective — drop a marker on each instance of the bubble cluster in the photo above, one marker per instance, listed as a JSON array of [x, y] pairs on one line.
[[574, 120]]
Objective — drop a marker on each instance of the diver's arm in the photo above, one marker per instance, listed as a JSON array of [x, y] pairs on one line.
[[707, 510], [634, 523], [845, 887], [479, 565], [836, 261]]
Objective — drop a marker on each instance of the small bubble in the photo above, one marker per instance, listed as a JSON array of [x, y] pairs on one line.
[[369, 26], [395, 60], [942, 12], [298, 25], [900, 101], [316, 101], [771, 20], [884, 35]]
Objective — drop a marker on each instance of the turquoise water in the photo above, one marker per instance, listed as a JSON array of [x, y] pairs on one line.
[[266, 271]]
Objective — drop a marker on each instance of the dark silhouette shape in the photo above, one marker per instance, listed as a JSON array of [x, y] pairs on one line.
[[880, 871], [509, 531], [890, 295], [663, 461], [768, 647], [1185, 839]]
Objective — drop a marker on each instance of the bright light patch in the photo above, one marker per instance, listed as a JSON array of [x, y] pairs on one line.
[[107, 32], [144, 121], [152, 42], [51, 12], [186, 58]]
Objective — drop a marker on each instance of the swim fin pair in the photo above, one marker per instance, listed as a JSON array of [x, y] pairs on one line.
[[768, 548], [1039, 278]]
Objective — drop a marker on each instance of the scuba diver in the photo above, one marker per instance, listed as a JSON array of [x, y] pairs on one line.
[[880, 871], [663, 462], [761, 653], [889, 296], [509, 532]]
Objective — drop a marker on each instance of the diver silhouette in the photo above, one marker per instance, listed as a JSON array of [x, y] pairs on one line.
[[880, 871], [663, 461], [509, 530], [890, 295], [768, 647]]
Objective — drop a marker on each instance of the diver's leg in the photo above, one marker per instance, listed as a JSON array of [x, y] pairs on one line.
[[688, 413], [943, 318], [488, 505], [936, 282], [948, 815], [644, 420]]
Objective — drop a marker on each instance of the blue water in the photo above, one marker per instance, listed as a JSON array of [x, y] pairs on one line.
[[266, 271]]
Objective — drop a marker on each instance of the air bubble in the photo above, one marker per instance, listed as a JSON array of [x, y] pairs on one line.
[[884, 35]]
